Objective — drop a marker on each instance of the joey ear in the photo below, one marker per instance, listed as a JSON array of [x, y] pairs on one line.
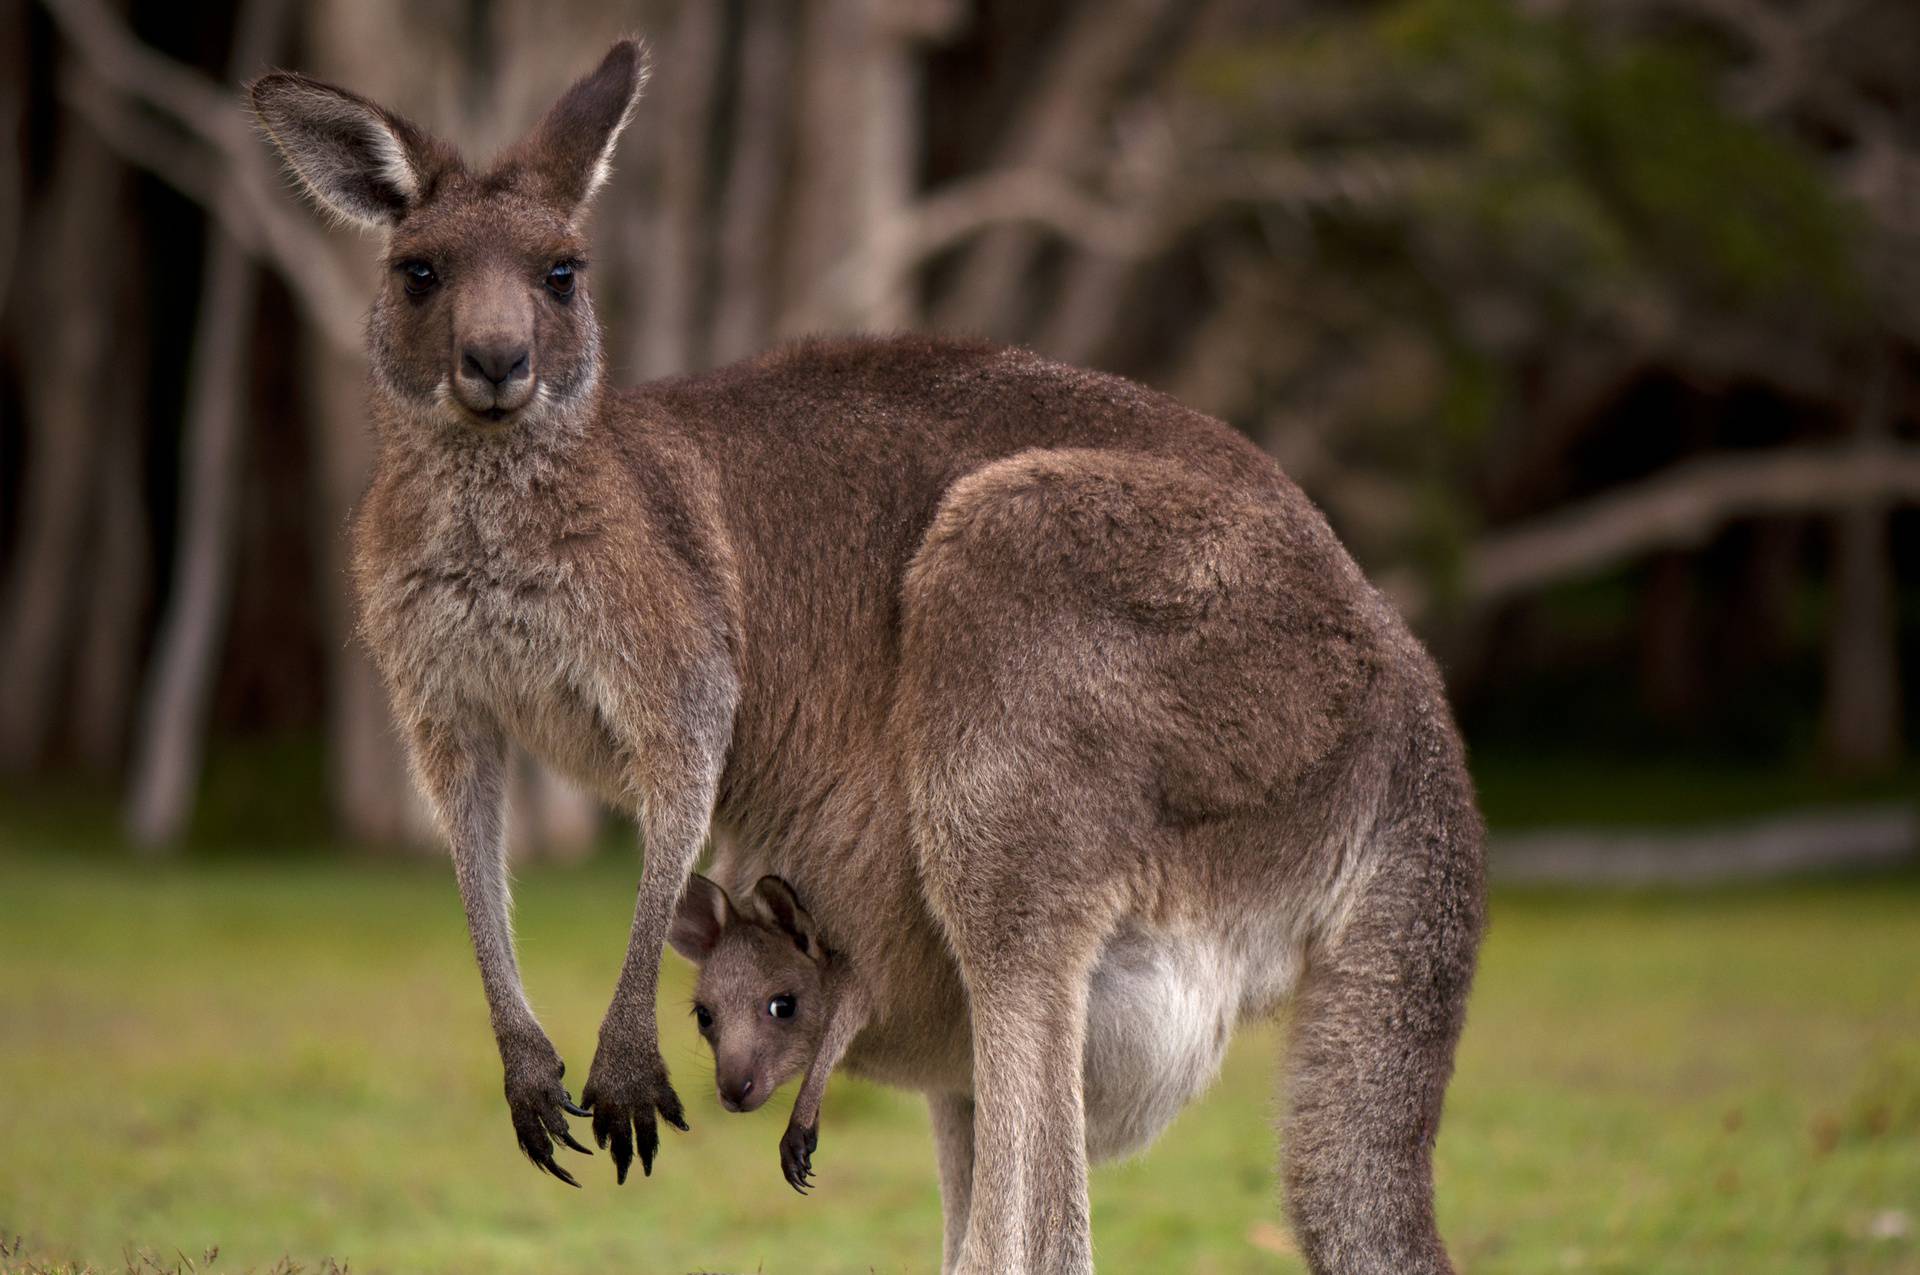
[[359, 160], [779, 907], [570, 152], [703, 912]]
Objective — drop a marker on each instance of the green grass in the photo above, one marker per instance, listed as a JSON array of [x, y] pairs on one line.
[[290, 1058]]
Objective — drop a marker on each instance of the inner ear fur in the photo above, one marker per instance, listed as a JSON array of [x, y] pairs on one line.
[[703, 912], [778, 906]]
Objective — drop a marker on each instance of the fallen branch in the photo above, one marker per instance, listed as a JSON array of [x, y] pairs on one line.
[[1820, 841]]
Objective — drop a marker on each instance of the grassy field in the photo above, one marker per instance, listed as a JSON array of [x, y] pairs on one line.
[[291, 1058]]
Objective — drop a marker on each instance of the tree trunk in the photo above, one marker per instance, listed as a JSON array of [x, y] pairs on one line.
[[854, 165], [1669, 673], [743, 308], [108, 658], [64, 385], [1860, 728], [171, 744], [676, 247]]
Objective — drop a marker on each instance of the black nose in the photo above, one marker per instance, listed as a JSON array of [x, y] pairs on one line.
[[498, 363], [737, 1092]]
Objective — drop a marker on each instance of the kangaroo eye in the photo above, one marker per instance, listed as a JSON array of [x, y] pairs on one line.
[[701, 1016], [418, 277], [560, 279], [781, 1006]]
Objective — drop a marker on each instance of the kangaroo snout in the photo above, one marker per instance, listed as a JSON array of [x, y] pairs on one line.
[[497, 363], [494, 378]]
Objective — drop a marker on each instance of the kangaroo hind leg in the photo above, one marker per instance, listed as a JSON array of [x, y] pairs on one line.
[[1375, 1022]]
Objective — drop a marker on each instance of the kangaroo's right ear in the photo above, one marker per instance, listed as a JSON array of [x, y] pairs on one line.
[[703, 912], [359, 160]]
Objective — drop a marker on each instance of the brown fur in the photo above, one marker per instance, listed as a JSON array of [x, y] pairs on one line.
[[1039, 687]]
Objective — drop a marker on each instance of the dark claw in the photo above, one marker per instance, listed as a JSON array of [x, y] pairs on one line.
[[572, 1108], [670, 1110], [541, 1153], [622, 1136], [649, 1142], [567, 1140]]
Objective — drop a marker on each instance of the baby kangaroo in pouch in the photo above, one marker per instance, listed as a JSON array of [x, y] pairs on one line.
[[1078, 730], [772, 1000]]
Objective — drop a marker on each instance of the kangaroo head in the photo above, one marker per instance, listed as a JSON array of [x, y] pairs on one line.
[[484, 321], [758, 999]]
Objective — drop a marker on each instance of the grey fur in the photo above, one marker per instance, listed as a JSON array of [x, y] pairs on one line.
[[1042, 691]]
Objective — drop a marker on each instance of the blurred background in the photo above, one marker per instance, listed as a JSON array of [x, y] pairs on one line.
[[1593, 326]]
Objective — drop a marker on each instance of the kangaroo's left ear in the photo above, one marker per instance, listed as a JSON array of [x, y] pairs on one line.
[[778, 906], [570, 152]]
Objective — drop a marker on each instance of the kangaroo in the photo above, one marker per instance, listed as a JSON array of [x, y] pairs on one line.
[[1045, 691], [772, 1000]]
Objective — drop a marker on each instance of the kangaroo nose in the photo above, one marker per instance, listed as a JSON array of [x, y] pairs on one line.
[[736, 1093], [498, 363]]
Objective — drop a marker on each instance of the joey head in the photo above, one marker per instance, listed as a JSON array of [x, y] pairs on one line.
[[772, 1001]]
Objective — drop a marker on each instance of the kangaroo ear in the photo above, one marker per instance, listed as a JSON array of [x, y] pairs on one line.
[[779, 907], [704, 911], [570, 152], [360, 161]]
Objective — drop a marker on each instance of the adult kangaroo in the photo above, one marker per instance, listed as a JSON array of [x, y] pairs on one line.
[[1045, 692]]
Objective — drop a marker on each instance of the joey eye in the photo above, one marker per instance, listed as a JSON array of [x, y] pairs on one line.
[[560, 279], [781, 1006], [702, 1017], [418, 277]]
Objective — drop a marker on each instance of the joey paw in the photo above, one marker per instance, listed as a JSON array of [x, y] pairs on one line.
[[797, 1146]]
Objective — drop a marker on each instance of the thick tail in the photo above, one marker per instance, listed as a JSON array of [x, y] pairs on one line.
[[1375, 1022]]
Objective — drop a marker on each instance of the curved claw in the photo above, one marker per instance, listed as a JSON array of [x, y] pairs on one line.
[[670, 1109], [572, 1108], [797, 1146], [622, 1150], [647, 1142], [542, 1157]]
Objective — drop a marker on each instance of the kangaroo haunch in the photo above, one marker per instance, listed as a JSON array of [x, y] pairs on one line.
[[1057, 702]]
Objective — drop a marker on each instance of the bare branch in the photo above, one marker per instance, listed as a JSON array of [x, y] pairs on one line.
[[106, 44], [1057, 124], [1676, 509], [238, 188], [1040, 198]]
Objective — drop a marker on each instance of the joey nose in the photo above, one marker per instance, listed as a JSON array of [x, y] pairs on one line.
[[499, 363], [733, 1093]]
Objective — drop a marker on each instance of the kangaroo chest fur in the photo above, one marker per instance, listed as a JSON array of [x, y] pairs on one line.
[[480, 605]]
